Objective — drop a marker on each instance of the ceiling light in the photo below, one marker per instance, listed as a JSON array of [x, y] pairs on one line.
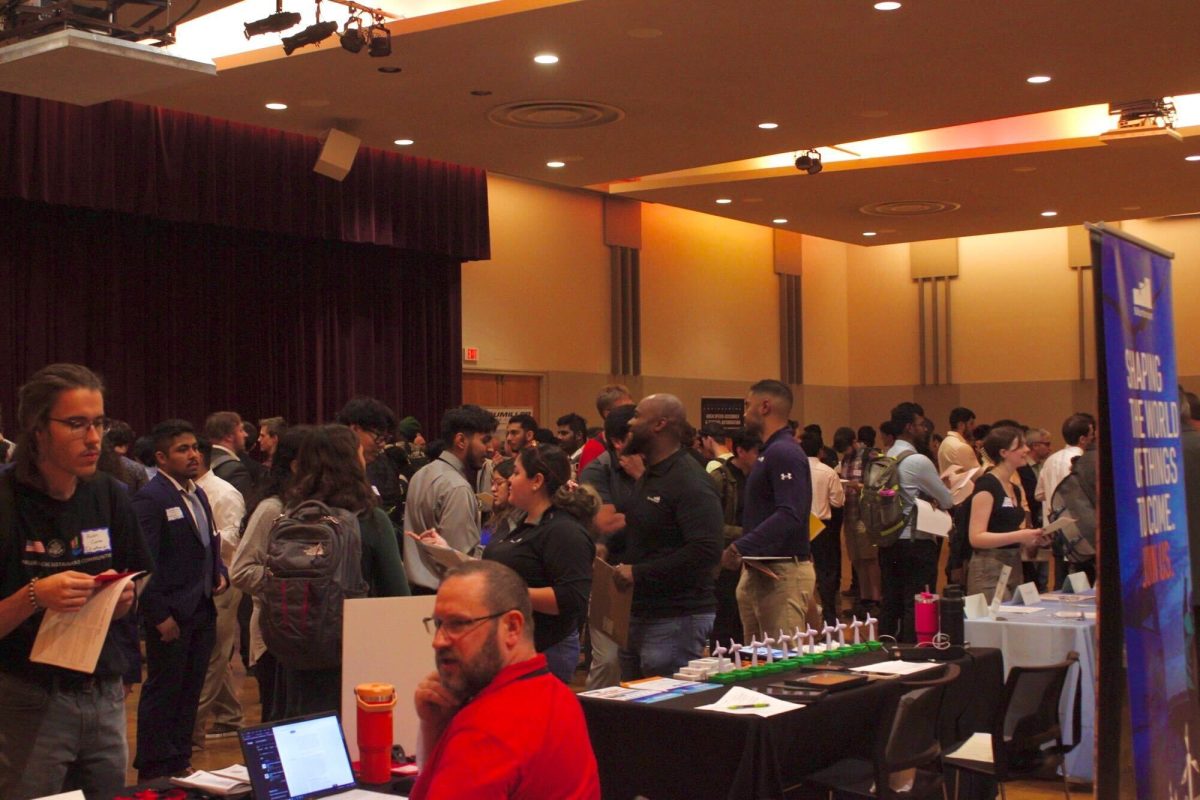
[[379, 40], [1049, 213], [546, 58], [279, 21], [1192, 158], [1038, 79], [809, 161], [556, 164], [779, 221], [403, 142], [277, 106], [723, 201], [890, 5], [313, 34], [390, 70], [868, 233], [768, 126]]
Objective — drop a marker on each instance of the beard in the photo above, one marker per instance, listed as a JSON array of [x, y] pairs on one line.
[[474, 675], [638, 442]]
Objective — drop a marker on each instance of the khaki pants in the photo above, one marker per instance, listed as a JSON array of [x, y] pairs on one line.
[[983, 571], [768, 605], [219, 696]]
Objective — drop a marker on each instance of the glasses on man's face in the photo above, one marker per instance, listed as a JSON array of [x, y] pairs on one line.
[[456, 628], [78, 426], [376, 436]]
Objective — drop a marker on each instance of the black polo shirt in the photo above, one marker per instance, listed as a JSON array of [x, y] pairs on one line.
[[674, 532]]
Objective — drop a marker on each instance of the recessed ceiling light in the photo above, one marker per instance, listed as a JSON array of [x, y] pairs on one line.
[[546, 58], [403, 142], [723, 201], [556, 164], [390, 70], [768, 126], [868, 233], [779, 221], [890, 5], [1192, 158], [277, 106], [1049, 213], [1038, 79]]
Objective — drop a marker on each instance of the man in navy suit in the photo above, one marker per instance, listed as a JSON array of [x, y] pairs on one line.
[[177, 603]]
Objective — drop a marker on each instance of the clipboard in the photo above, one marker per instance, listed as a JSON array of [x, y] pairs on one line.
[[610, 607]]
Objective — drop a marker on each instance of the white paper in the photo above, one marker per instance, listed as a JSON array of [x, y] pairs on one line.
[[448, 557], [896, 667], [618, 693], [933, 521], [977, 748], [1001, 585], [73, 639], [741, 696], [75, 795], [1075, 614], [1027, 594], [1066, 520], [215, 783], [959, 482], [1079, 582], [659, 684], [975, 606], [1022, 609], [1062, 597]]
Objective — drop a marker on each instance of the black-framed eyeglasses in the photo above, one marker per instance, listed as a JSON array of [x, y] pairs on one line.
[[78, 426], [454, 628]]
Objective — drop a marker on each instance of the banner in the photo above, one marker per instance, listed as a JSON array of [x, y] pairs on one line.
[[725, 411], [1150, 515]]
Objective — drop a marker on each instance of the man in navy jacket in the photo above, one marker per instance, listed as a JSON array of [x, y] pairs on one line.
[[177, 605]]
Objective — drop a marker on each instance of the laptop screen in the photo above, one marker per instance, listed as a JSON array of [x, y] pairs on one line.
[[298, 758]]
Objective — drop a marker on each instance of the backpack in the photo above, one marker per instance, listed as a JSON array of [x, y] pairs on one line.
[[1072, 498], [879, 505], [314, 563]]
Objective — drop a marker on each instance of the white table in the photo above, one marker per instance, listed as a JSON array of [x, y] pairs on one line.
[[1045, 637]]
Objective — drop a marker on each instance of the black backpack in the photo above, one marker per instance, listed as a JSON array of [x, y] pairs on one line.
[[314, 564], [1074, 498]]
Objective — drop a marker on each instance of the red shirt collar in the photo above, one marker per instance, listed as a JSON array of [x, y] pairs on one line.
[[513, 673]]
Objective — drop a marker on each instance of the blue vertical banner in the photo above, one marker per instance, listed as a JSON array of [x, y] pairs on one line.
[[1150, 515]]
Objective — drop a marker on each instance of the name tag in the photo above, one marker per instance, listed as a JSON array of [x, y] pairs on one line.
[[96, 541], [1008, 503], [174, 513]]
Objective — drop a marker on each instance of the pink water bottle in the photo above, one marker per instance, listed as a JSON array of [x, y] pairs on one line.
[[926, 615]]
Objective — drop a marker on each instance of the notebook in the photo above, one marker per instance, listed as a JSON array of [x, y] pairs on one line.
[[301, 758]]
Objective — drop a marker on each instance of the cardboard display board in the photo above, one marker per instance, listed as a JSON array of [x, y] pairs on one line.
[[384, 640]]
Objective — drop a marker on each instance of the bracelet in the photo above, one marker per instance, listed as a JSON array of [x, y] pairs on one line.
[[33, 601]]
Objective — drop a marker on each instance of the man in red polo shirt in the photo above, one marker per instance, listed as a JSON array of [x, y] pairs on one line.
[[494, 722]]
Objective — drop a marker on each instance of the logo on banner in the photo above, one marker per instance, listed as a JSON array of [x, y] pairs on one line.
[[1143, 300]]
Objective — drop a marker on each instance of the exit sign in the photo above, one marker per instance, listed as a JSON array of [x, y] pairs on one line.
[[470, 354]]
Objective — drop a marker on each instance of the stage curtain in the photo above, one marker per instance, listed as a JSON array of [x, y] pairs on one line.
[[183, 319], [182, 167]]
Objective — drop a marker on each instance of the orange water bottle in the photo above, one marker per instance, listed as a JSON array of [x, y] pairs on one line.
[[375, 704]]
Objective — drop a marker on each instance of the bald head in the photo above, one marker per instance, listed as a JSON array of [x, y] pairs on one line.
[[657, 427]]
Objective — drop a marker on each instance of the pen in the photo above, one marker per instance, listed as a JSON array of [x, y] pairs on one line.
[[749, 705]]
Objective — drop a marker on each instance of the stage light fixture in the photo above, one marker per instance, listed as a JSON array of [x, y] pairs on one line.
[[313, 34], [809, 161], [352, 37], [379, 40], [277, 22]]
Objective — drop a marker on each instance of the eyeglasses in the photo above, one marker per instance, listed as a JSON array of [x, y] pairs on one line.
[[380, 438], [78, 426], [456, 628]]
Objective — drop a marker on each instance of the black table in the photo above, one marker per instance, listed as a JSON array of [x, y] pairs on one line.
[[670, 751]]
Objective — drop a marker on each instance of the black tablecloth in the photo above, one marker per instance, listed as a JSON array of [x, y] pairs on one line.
[[670, 751]]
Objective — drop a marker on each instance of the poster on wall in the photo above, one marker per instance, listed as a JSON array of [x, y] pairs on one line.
[[725, 411], [503, 415], [1150, 514]]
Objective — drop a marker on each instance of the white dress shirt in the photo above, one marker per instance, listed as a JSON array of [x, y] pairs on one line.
[[228, 508], [827, 491], [1054, 469]]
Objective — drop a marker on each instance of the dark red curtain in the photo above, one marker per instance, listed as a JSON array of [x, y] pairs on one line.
[[183, 167], [183, 319]]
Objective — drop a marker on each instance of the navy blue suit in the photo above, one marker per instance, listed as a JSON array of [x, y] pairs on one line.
[[183, 558]]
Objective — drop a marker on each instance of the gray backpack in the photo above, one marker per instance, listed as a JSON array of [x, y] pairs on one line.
[[314, 563], [880, 507]]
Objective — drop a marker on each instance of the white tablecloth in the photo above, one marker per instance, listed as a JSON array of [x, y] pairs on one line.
[[1042, 637]]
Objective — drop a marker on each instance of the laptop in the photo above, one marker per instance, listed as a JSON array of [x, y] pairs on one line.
[[301, 758]]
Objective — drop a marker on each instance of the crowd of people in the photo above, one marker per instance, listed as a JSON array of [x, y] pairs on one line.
[[719, 534]]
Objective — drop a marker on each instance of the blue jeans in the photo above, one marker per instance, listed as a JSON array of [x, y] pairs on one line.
[[661, 646], [562, 657], [57, 739]]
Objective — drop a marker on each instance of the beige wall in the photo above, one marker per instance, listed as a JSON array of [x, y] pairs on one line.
[[710, 313]]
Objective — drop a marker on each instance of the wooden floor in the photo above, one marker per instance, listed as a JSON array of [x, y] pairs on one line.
[[223, 752]]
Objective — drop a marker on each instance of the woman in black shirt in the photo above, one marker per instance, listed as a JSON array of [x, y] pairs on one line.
[[998, 517], [552, 550]]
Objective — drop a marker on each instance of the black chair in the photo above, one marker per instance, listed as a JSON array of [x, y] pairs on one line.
[[906, 739], [1025, 722]]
